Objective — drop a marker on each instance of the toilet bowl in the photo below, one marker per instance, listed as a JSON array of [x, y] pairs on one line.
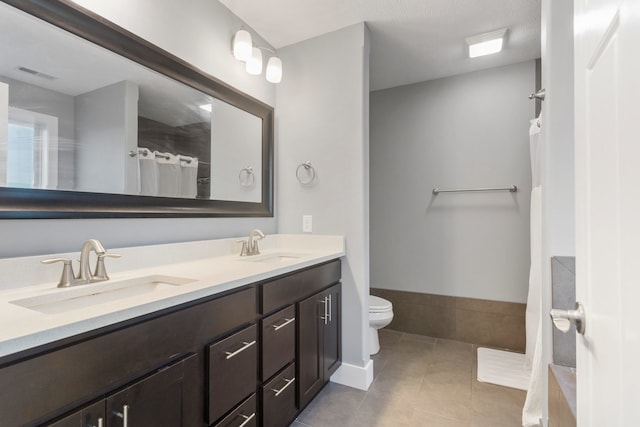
[[380, 315]]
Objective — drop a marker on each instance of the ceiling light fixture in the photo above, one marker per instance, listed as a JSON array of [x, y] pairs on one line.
[[487, 43], [244, 50]]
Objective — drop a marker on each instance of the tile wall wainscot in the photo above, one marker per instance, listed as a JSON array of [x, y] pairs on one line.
[[562, 396], [483, 322], [563, 297]]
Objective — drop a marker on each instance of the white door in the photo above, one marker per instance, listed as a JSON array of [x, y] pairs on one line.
[[607, 72]]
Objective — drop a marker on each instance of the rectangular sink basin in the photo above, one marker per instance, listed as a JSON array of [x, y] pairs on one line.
[[276, 258], [82, 296]]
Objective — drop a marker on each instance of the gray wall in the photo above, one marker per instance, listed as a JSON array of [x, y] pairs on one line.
[[322, 117], [464, 131], [180, 30]]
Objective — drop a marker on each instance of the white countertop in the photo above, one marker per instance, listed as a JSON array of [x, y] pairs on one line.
[[213, 265]]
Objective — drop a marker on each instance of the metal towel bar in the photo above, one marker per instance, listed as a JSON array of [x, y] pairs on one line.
[[511, 188]]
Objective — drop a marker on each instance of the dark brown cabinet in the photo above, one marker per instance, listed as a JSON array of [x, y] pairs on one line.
[[245, 415], [319, 347], [278, 341], [156, 400], [279, 399], [153, 401], [250, 357], [91, 416], [233, 371]]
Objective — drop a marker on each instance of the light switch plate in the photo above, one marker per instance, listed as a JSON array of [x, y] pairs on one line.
[[307, 223]]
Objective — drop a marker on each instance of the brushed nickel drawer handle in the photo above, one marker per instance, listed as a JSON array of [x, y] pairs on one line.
[[289, 382], [247, 418], [287, 321], [325, 317], [240, 350]]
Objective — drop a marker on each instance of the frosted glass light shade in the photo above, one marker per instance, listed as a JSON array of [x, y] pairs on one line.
[[242, 45], [274, 70], [254, 64]]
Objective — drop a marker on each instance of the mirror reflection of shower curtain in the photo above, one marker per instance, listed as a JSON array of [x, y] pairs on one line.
[[148, 169], [189, 176], [532, 411], [169, 175]]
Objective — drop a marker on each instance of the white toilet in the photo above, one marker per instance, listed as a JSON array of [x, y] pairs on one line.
[[380, 315]]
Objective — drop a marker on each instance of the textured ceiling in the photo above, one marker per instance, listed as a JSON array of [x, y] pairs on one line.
[[411, 40]]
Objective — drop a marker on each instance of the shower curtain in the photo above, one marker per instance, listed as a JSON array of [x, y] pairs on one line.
[[532, 411]]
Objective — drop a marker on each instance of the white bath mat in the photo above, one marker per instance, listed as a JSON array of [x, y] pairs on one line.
[[503, 368]]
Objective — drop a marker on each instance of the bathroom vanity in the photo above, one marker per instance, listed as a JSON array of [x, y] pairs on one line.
[[253, 352]]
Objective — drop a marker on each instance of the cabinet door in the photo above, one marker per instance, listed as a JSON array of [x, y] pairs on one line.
[[91, 416], [154, 401], [311, 318], [278, 341], [279, 399], [233, 371], [332, 351]]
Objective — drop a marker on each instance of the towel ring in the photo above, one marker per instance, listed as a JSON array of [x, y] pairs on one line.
[[246, 177], [307, 167]]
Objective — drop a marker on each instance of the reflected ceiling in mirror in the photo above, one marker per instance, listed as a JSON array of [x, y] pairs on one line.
[[147, 135]]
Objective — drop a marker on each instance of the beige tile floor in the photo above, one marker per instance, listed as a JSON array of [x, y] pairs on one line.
[[418, 382]]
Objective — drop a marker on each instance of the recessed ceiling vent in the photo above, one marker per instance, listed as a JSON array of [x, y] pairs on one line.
[[36, 73]]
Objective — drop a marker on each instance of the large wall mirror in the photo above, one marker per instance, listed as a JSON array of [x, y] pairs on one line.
[[96, 122]]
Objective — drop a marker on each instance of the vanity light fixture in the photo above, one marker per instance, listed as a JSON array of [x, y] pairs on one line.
[[244, 50], [487, 43], [242, 45], [274, 70], [254, 64]]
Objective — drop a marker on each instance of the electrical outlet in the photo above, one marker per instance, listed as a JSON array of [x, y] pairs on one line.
[[307, 223]]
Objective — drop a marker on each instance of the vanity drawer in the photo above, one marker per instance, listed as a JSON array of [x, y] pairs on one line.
[[289, 289], [279, 399], [232, 371], [245, 415], [278, 341]]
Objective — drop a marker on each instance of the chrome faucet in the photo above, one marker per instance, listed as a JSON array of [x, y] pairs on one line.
[[250, 246], [85, 275]]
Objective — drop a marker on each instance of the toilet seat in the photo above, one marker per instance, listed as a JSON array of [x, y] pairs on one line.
[[379, 305]]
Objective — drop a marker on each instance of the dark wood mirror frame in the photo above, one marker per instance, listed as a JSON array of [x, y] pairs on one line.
[[19, 203]]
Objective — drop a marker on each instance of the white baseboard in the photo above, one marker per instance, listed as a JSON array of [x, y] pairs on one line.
[[359, 377]]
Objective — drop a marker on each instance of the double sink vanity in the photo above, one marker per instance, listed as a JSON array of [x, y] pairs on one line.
[[186, 334]]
